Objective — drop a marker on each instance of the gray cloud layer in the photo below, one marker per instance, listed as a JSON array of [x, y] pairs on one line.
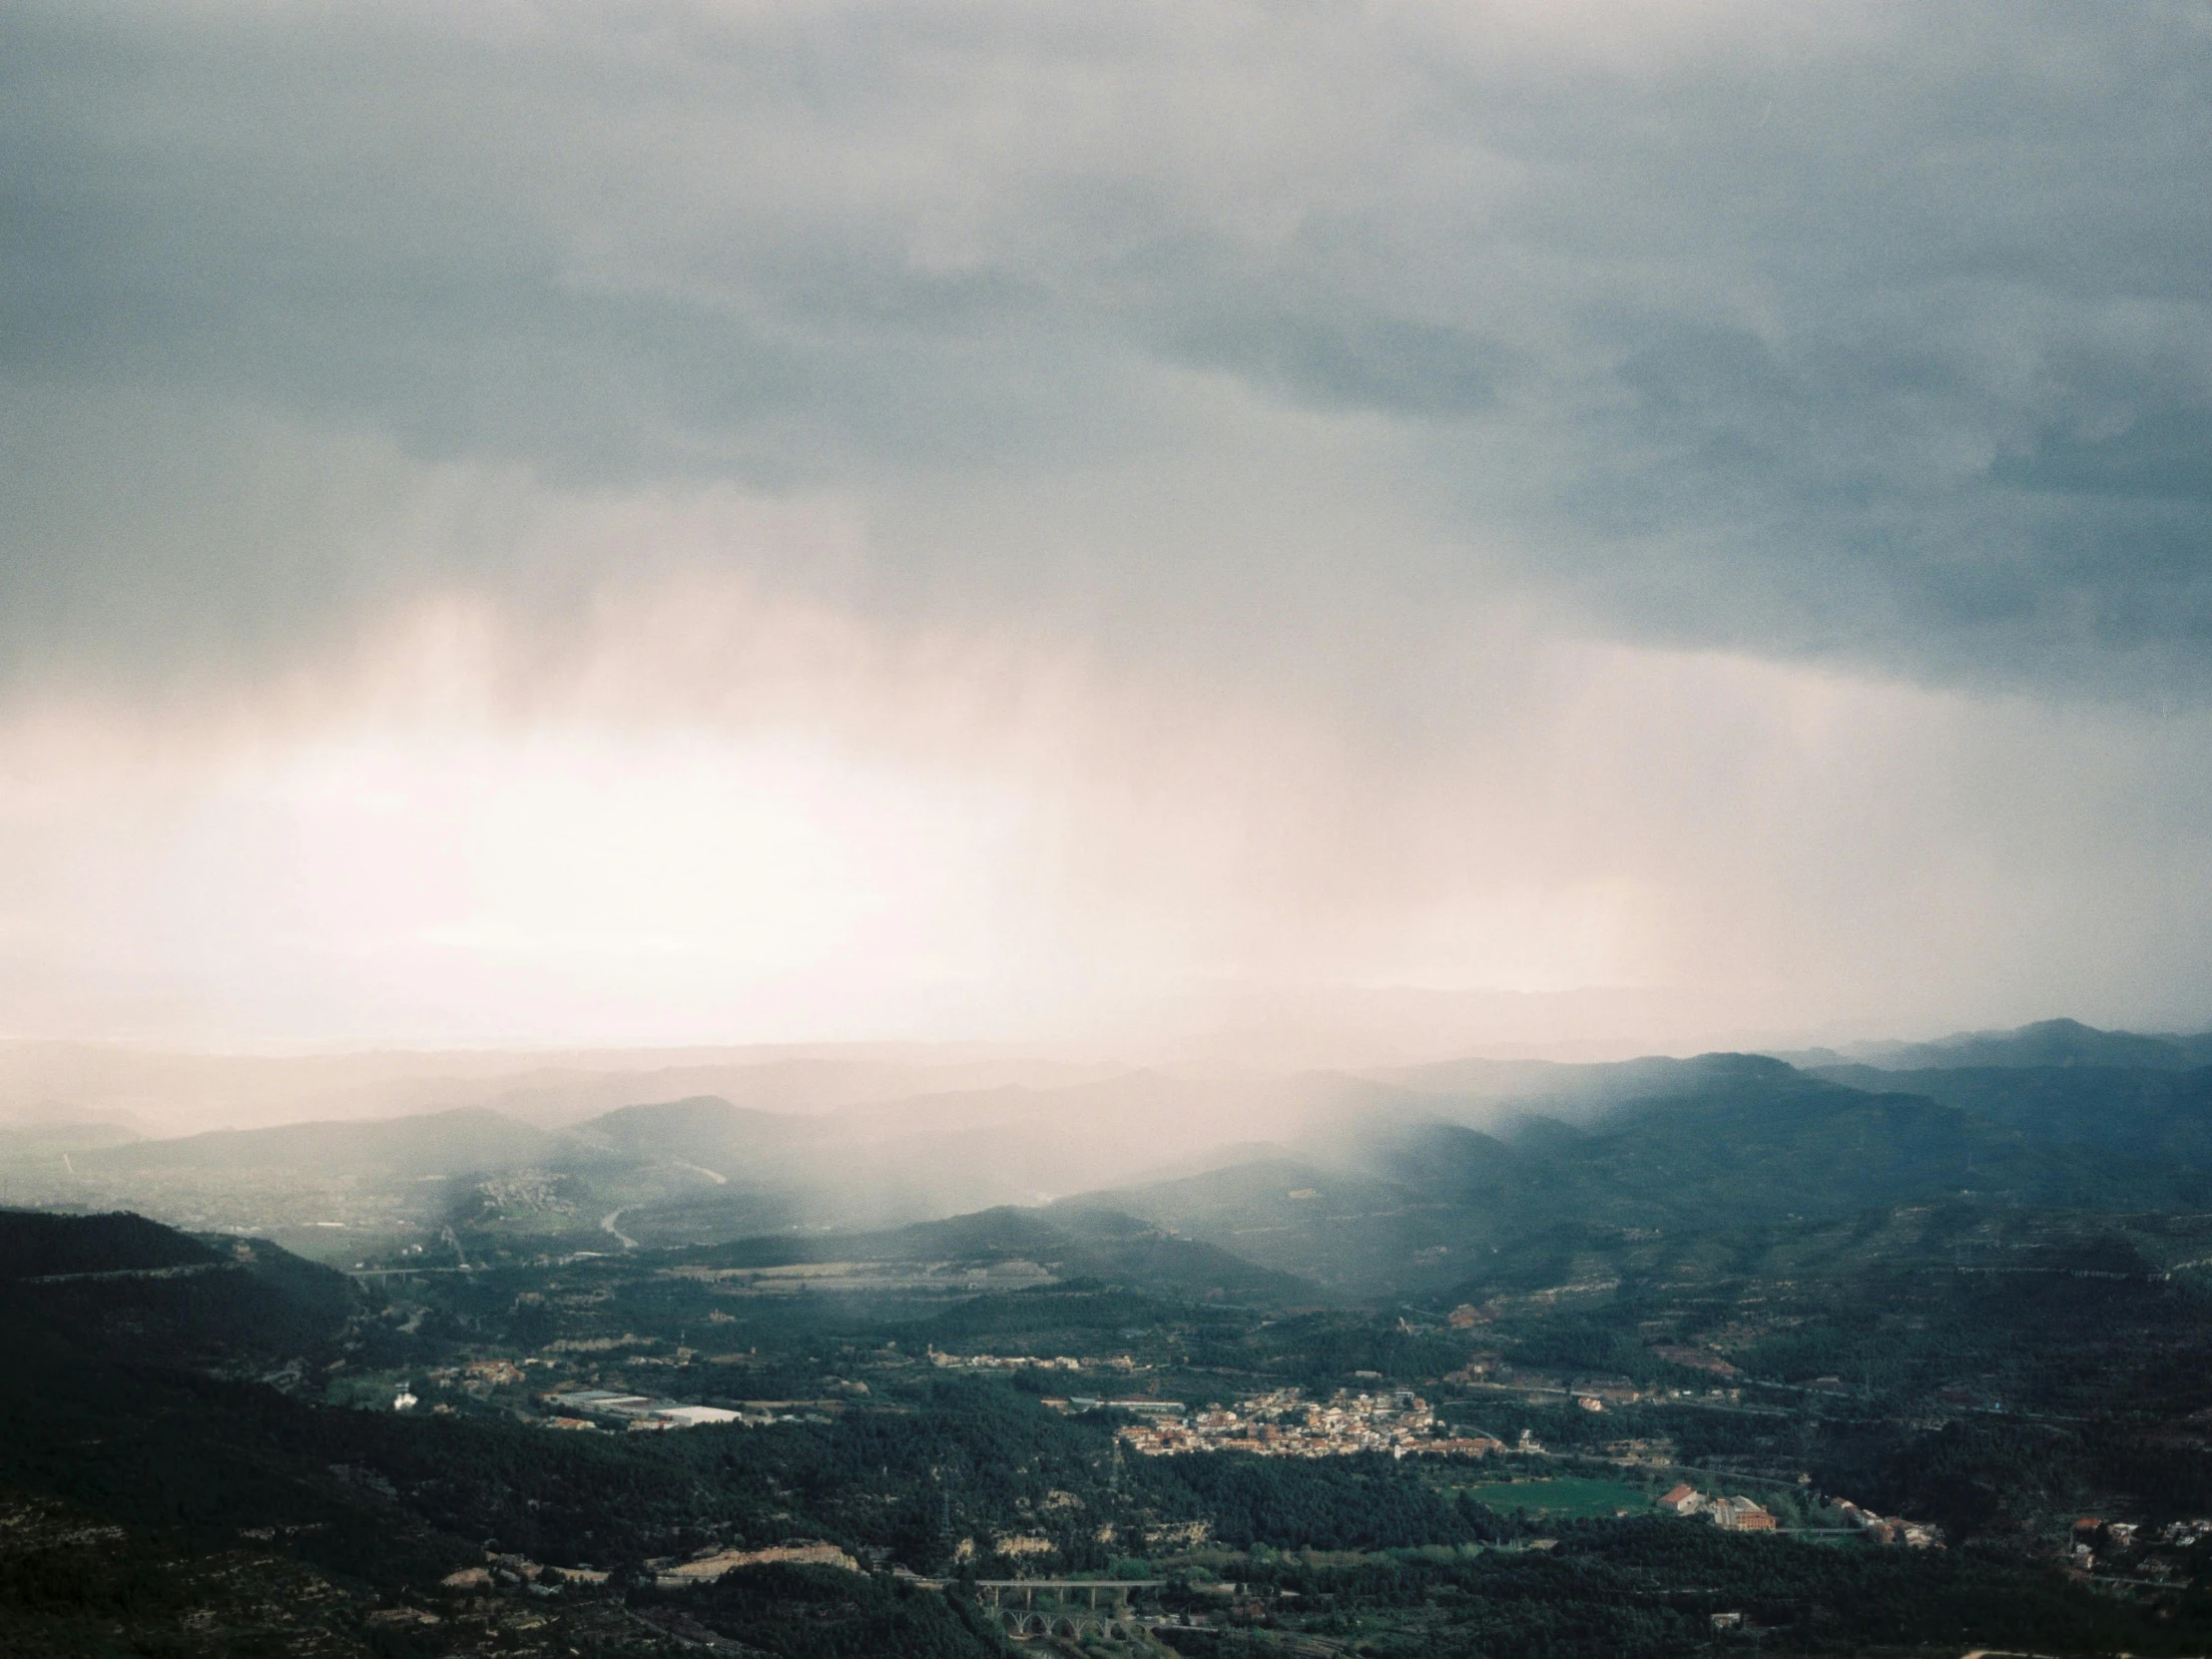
[[1879, 334]]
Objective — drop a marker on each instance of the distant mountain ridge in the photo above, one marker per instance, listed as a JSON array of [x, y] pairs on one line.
[[1736, 1140], [698, 1127], [466, 1139], [2049, 1042], [1370, 1183]]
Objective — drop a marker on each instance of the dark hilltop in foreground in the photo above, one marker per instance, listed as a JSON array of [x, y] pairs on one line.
[[1900, 1351]]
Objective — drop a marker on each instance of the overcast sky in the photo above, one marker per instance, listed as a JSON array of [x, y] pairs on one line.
[[732, 521]]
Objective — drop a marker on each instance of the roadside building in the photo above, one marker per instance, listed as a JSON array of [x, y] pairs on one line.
[[692, 1417], [1740, 1515]]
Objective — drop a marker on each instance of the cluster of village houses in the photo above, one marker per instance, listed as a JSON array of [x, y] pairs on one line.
[[1888, 1529], [1730, 1514], [1027, 1362], [2117, 1538], [1284, 1424], [1741, 1515]]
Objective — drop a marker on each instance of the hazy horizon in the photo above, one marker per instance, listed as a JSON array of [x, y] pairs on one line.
[[1227, 1090]]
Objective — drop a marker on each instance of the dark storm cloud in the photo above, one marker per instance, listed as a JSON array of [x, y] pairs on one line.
[[1876, 334]]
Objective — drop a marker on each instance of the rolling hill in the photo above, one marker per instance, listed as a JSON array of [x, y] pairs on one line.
[[1071, 1241], [1737, 1140], [123, 1287]]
